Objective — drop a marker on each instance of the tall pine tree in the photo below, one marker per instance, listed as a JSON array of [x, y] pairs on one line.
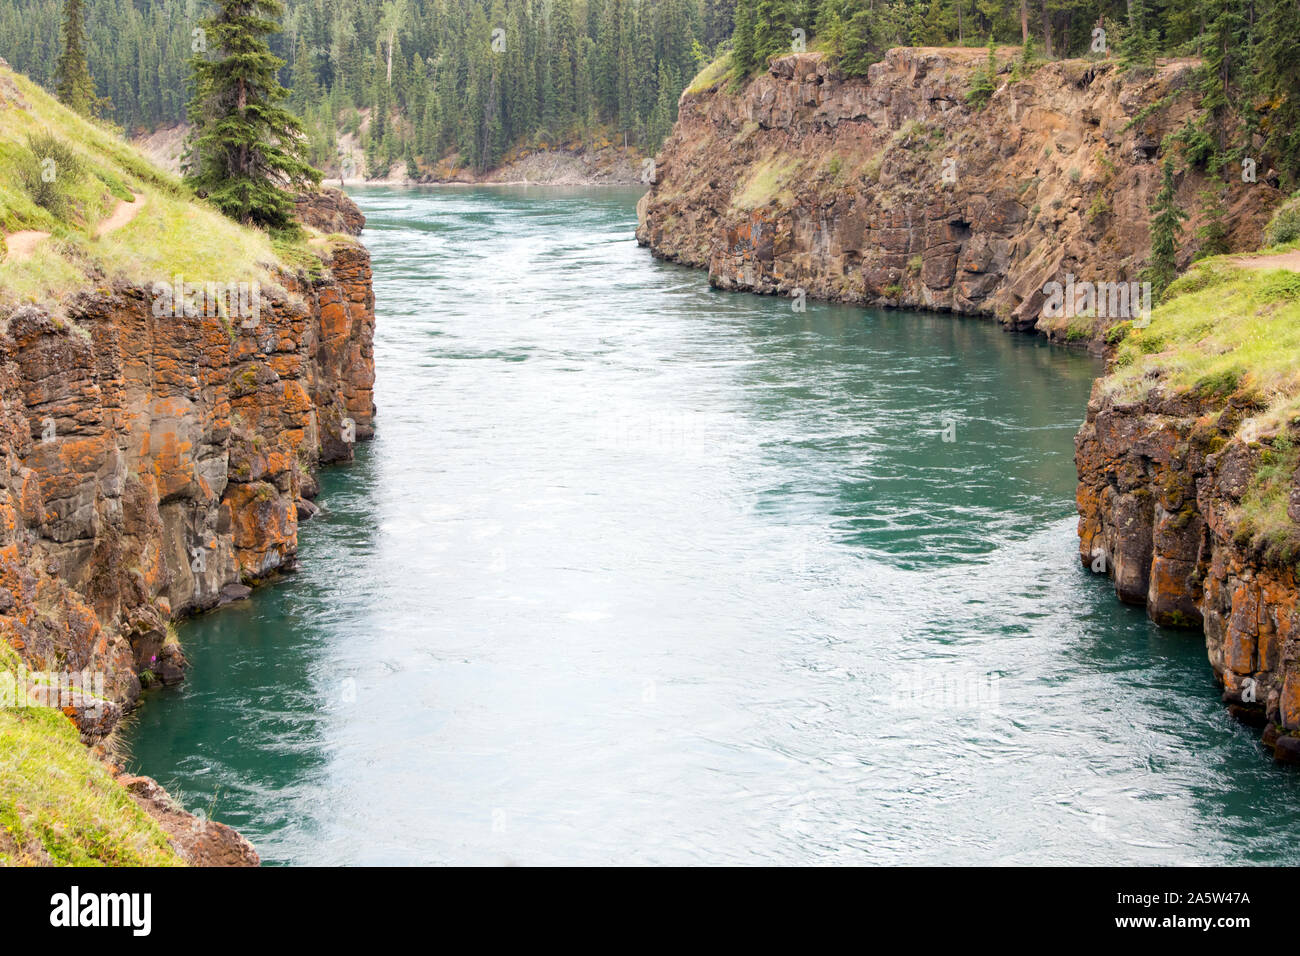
[[1279, 74], [72, 77], [1166, 228], [743, 52], [246, 148]]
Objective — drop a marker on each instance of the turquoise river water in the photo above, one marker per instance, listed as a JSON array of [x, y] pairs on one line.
[[637, 571]]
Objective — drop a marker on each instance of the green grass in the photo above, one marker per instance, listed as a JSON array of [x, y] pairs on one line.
[[57, 796], [1222, 332], [767, 182], [59, 803], [1218, 323], [711, 76], [1262, 519], [173, 234]]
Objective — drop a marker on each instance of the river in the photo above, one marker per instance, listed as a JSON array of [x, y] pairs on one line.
[[637, 571]]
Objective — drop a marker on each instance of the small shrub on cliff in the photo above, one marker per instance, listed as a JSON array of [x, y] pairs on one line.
[[984, 83], [1284, 227], [1118, 333], [1263, 517], [52, 168], [1221, 383], [1080, 329]]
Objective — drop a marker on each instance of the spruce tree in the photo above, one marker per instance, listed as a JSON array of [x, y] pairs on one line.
[[73, 82], [246, 149], [773, 26], [1278, 72], [1135, 45], [1166, 229], [861, 41], [1221, 66], [743, 51]]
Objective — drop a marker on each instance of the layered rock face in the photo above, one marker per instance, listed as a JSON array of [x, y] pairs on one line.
[[892, 190], [155, 464], [1159, 484]]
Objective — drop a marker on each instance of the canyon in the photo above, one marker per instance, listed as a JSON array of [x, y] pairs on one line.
[[892, 190], [159, 459]]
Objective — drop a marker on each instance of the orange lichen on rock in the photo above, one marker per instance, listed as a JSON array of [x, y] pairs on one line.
[[1159, 490], [153, 462]]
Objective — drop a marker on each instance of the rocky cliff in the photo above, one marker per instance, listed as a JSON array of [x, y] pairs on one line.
[[170, 382], [155, 466], [1160, 482], [1189, 488], [893, 190]]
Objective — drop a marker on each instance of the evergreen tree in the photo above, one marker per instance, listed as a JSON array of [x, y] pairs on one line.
[[743, 50], [861, 42], [1278, 73], [773, 26], [72, 78], [1136, 47], [1166, 229], [1221, 66], [245, 147]]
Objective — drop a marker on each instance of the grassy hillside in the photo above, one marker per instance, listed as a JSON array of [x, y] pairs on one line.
[[1230, 328], [65, 176], [62, 179], [58, 803]]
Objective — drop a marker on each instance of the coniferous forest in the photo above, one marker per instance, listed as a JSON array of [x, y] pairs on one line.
[[435, 75], [476, 77]]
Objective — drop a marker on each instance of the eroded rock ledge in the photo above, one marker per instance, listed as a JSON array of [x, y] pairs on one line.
[[1159, 484], [837, 186]]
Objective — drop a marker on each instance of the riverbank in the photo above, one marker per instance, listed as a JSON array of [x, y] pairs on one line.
[[591, 161], [896, 190]]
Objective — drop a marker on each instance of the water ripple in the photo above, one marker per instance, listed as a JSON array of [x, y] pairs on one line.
[[641, 572]]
